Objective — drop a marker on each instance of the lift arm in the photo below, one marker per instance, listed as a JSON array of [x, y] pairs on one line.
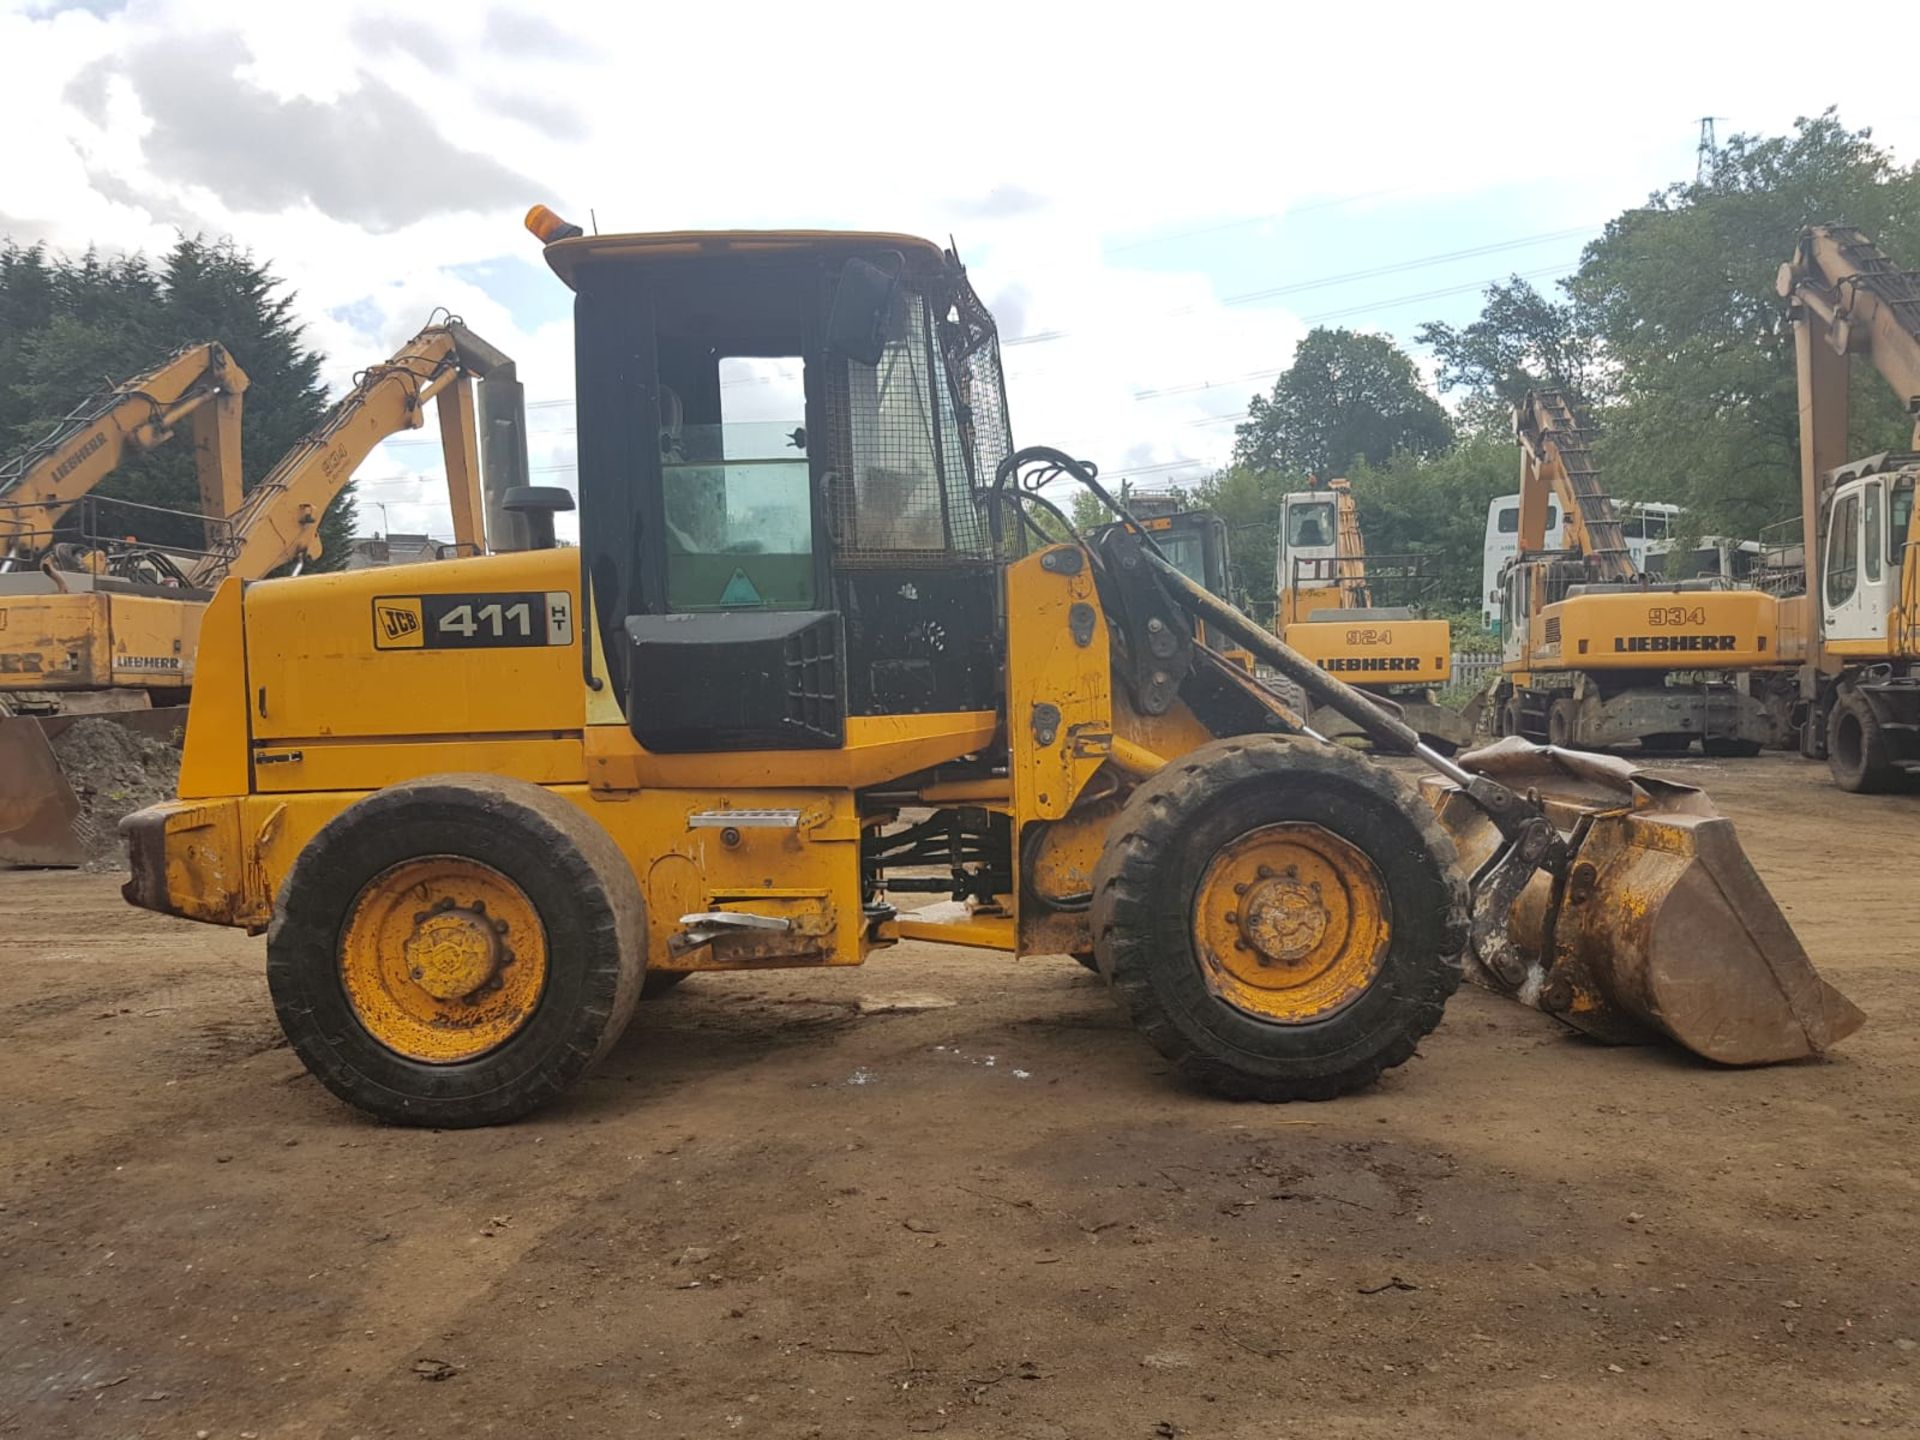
[[1556, 458], [200, 384], [280, 518]]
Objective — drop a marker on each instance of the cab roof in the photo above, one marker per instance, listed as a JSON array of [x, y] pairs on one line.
[[567, 256]]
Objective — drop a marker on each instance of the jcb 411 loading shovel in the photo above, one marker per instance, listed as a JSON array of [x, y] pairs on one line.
[[1656, 925], [1616, 900]]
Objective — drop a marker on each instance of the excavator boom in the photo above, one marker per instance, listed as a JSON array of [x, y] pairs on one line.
[[1557, 460], [279, 521], [198, 385]]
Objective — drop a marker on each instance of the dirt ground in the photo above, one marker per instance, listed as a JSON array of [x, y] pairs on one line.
[[773, 1214]]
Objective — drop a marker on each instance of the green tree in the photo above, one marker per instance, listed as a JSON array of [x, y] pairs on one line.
[[71, 326], [1346, 397], [1249, 501], [1522, 341], [1681, 293], [1672, 332], [1436, 507]]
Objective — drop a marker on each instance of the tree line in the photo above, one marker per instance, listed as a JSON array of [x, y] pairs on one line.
[[72, 326], [1669, 332]]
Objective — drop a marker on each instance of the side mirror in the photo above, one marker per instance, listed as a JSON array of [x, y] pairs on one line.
[[536, 504], [857, 320]]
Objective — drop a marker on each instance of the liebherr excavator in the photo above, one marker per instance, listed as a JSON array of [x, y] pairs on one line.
[[1596, 653], [1328, 609], [1861, 537], [200, 386], [809, 689], [104, 624]]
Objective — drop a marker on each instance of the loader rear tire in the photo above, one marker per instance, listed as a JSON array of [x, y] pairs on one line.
[[1857, 752], [393, 909], [1356, 939]]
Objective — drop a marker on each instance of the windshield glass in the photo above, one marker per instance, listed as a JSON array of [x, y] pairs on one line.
[[1310, 524]]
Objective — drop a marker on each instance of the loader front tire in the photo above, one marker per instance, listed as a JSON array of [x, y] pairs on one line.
[[456, 951], [1282, 920]]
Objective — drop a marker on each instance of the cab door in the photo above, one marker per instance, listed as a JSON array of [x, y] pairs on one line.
[[1858, 584]]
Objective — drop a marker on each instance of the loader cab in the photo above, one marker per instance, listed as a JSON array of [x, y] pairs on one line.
[[781, 435], [1869, 523]]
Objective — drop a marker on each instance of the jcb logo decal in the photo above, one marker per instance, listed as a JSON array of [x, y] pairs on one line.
[[396, 625]]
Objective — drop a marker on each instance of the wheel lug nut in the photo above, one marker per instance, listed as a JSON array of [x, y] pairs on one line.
[[1266, 872], [501, 926], [1239, 889], [1233, 917], [416, 973]]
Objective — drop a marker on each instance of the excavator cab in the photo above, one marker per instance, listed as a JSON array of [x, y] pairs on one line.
[[822, 677]]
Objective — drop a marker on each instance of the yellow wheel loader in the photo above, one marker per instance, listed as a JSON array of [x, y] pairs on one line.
[[813, 687]]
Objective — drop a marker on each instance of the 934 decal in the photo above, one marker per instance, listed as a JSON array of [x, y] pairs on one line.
[[489, 620]]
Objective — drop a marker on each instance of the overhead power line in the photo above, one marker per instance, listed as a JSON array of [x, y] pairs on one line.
[[1399, 267]]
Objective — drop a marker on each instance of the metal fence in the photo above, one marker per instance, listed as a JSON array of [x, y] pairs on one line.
[[1472, 669]]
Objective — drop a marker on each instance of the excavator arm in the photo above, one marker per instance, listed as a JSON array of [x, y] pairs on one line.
[[1845, 298], [198, 385], [279, 521], [1557, 460]]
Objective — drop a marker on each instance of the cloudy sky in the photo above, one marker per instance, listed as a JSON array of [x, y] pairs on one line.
[[1156, 201]]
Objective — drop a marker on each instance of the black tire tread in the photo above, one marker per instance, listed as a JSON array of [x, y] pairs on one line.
[[1147, 830], [1876, 773], [307, 917]]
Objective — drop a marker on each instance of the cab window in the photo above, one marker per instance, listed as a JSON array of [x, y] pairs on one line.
[[1843, 550], [1310, 525], [1899, 518], [1870, 545], [739, 519], [1507, 520]]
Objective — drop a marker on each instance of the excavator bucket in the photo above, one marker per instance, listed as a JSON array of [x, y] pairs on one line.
[[1655, 925], [38, 808]]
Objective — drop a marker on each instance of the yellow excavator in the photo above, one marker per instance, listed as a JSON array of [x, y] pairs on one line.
[[1326, 609], [94, 621], [200, 386], [1597, 654], [810, 688], [1860, 613]]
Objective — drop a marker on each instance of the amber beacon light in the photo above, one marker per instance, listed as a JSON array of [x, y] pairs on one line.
[[548, 227]]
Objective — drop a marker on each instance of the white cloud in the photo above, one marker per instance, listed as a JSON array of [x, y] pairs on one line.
[[1048, 139]]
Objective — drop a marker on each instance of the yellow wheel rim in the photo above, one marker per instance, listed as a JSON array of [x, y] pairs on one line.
[[1290, 923], [443, 958]]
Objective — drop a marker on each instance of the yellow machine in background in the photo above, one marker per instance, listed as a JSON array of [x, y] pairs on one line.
[[1325, 583], [108, 624], [813, 687], [1597, 654], [199, 386], [1861, 538]]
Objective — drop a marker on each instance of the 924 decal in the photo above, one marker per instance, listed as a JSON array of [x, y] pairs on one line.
[[485, 620]]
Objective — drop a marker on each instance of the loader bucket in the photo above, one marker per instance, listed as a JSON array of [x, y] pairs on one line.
[[1657, 924], [37, 806]]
